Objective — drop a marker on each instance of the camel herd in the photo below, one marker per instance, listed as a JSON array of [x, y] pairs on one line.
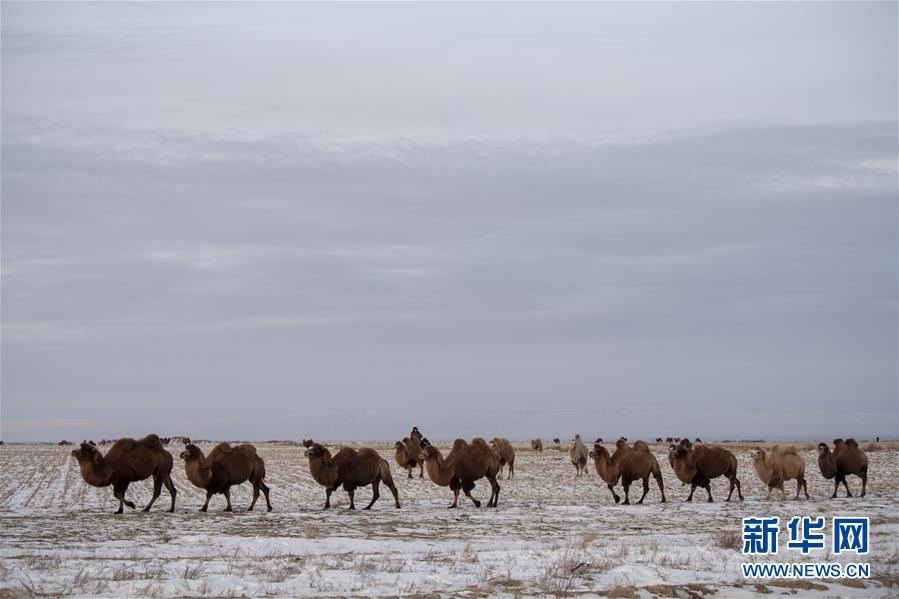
[[694, 464]]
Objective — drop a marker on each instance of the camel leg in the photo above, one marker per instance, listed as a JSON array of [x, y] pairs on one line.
[[645, 488], [494, 493], [864, 477], [421, 470], [157, 487], [846, 486], [409, 471], [692, 489], [467, 487], [511, 471], [227, 494], [783, 493], [170, 486], [740, 487], [708, 489], [352, 493], [264, 487], [626, 485], [396, 495], [836, 485], [658, 477], [614, 494], [798, 487], [206, 505], [118, 490], [255, 497], [375, 492], [328, 491], [455, 498]]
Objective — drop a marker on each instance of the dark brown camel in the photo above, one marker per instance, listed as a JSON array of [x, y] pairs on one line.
[[223, 468], [352, 469], [125, 462], [462, 467], [846, 458], [699, 465]]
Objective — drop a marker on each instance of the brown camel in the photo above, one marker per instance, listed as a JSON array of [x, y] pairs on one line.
[[699, 465], [628, 464], [125, 462], [352, 469], [224, 467], [463, 465], [505, 453], [846, 458], [537, 444], [408, 456]]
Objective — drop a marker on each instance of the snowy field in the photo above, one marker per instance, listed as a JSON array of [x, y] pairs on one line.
[[552, 535]]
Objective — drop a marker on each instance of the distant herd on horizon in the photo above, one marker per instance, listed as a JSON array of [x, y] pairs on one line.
[[696, 464]]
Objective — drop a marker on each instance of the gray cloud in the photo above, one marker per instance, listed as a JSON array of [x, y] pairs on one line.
[[344, 257]]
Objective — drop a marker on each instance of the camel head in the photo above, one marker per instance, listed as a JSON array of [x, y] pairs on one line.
[[86, 453], [621, 443], [316, 450], [685, 442], [758, 455], [307, 443], [533, 443], [428, 451], [599, 452], [191, 452], [672, 451], [823, 450], [577, 438]]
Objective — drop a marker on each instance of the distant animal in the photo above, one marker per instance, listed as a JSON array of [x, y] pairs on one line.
[[677, 439], [628, 464], [658, 440], [845, 459], [505, 453], [307, 443], [408, 455], [669, 440], [557, 441], [777, 465], [598, 440], [223, 468], [351, 468], [877, 439], [537, 444], [697, 440], [578, 454], [463, 465], [685, 442], [698, 466], [91, 442], [125, 462], [64, 442]]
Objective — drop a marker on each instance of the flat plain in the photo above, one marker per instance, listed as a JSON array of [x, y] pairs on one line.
[[554, 534]]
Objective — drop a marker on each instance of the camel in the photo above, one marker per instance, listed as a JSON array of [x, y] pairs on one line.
[[846, 458], [628, 464], [352, 469], [224, 467], [408, 455], [127, 461], [578, 454], [506, 455], [537, 444], [463, 465], [699, 465], [778, 465]]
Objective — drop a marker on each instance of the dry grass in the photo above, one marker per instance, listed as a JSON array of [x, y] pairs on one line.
[[728, 539]]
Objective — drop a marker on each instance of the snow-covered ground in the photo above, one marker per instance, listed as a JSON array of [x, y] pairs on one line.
[[553, 534]]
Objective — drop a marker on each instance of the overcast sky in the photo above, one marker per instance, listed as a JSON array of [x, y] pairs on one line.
[[291, 220]]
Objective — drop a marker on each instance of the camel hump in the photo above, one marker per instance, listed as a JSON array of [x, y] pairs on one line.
[[851, 443], [152, 441], [641, 446], [788, 450], [460, 444], [247, 450]]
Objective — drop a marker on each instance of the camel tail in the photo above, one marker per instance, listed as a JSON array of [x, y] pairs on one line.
[[260, 468], [386, 475]]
